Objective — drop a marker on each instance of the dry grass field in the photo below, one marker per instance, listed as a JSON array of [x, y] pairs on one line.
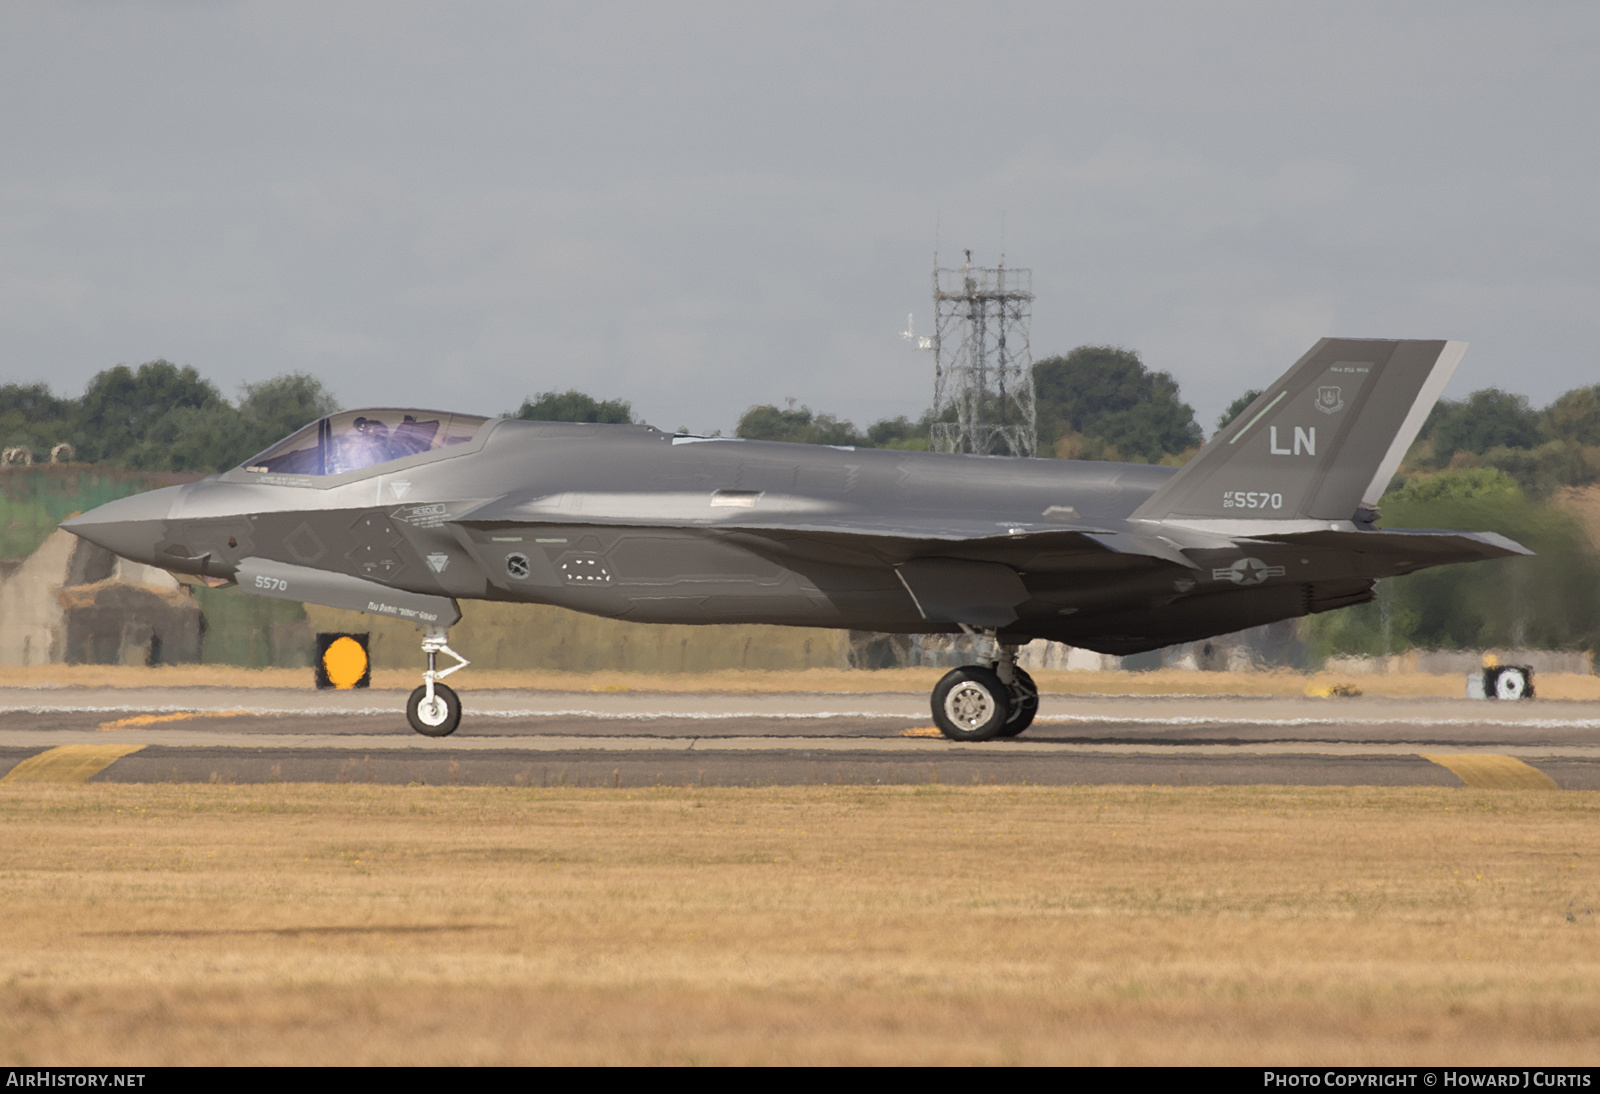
[[1162, 682], [350, 924]]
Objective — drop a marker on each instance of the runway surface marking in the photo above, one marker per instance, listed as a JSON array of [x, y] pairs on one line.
[[68, 764], [139, 720], [1488, 771], [932, 745], [921, 731]]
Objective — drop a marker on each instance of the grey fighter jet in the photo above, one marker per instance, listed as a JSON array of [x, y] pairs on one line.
[[402, 513]]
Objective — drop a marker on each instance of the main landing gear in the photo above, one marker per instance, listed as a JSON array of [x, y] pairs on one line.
[[982, 702], [433, 709]]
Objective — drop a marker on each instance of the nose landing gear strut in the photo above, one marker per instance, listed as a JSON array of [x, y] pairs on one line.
[[433, 709]]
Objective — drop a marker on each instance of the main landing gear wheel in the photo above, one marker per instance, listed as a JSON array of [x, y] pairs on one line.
[[971, 704], [437, 716], [1024, 703]]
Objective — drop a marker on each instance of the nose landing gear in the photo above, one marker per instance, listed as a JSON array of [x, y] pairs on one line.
[[434, 709], [980, 703]]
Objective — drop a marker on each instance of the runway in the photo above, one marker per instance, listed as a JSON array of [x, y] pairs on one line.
[[634, 739]]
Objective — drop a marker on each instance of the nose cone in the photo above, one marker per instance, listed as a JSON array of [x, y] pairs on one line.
[[130, 527]]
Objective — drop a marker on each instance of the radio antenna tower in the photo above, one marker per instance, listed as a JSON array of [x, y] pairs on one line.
[[983, 364]]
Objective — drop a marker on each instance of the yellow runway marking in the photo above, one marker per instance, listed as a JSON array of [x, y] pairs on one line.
[[152, 719], [921, 731], [68, 764], [1488, 771]]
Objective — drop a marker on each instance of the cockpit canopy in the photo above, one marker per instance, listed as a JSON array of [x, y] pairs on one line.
[[358, 439]]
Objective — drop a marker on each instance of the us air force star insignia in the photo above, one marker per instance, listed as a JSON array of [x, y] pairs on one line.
[[438, 562], [1330, 400], [1247, 571]]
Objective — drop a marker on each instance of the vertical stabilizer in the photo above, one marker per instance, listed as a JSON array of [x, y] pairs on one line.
[[1322, 442]]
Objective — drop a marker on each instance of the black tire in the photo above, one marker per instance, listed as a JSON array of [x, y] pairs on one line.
[[1024, 704], [430, 723], [1512, 683], [971, 704]]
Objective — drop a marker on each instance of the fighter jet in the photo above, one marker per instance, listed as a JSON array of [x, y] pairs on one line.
[[403, 513]]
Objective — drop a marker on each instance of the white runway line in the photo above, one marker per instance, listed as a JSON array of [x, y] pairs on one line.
[[1111, 719]]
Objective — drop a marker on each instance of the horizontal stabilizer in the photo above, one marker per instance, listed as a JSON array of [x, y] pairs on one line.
[[1428, 546]]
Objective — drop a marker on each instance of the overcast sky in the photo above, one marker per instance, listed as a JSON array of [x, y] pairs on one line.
[[699, 207]]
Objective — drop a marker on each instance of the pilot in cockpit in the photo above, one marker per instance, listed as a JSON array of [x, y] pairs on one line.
[[364, 444]]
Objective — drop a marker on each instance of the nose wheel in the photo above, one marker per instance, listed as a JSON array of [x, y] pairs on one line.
[[435, 715], [434, 709]]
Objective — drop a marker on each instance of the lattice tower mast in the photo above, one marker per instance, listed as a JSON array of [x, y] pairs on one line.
[[983, 363]]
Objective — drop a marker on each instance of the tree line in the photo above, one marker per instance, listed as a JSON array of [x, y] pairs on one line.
[[1103, 403], [1097, 402], [159, 417]]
